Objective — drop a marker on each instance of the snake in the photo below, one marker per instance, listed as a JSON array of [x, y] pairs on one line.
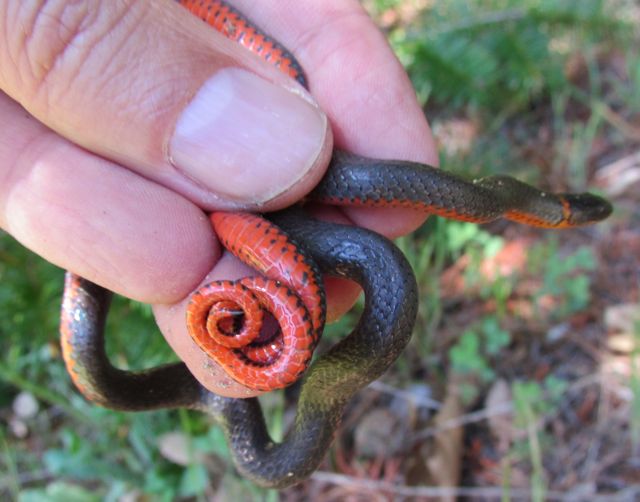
[[291, 251]]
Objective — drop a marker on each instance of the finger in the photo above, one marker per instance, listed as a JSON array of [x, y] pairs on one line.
[[177, 102], [98, 219], [359, 83]]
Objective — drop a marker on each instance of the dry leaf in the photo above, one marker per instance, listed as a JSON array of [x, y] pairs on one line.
[[380, 434], [500, 422], [25, 406], [622, 343], [443, 460], [622, 318], [174, 446]]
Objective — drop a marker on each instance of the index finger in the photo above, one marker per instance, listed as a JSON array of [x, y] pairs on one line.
[[359, 83]]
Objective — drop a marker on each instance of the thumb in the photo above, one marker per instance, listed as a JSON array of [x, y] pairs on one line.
[[150, 86]]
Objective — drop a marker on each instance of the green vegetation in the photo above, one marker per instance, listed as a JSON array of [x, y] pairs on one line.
[[501, 65], [635, 389]]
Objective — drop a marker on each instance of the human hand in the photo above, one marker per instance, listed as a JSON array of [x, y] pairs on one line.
[[140, 117]]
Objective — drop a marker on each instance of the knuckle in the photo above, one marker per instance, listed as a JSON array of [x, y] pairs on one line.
[[50, 43], [349, 45], [353, 47]]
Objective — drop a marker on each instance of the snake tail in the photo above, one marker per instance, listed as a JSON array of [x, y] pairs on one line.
[[227, 318]]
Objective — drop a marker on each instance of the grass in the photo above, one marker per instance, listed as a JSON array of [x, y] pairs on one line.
[[500, 64]]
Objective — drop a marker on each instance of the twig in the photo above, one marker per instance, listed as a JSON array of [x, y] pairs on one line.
[[486, 413], [27, 478], [630, 130], [425, 402], [619, 175], [373, 486], [497, 17], [462, 420]]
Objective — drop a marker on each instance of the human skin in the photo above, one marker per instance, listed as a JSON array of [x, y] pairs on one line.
[[125, 121]]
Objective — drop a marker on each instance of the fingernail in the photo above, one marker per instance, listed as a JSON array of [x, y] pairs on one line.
[[247, 139]]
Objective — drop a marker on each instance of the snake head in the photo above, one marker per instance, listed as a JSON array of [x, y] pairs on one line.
[[586, 208]]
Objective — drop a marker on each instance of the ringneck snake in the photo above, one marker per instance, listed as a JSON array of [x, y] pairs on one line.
[[290, 250]]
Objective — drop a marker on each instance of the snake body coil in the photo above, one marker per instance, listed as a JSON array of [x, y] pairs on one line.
[[383, 331]]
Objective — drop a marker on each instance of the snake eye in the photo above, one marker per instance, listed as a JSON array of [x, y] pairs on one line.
[[587, 208]]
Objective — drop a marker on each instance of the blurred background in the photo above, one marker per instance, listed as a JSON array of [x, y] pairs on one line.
[[522, 380]]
